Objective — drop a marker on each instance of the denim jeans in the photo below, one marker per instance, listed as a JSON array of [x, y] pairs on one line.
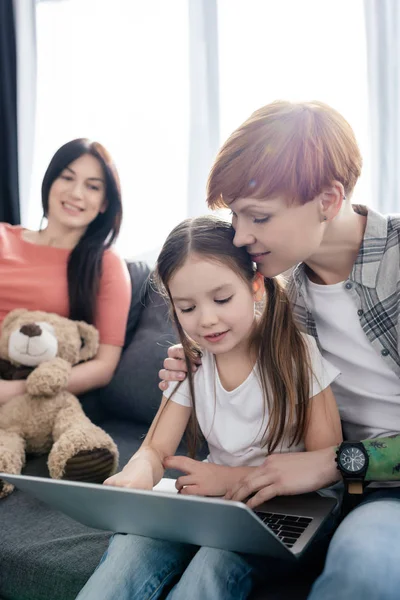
[[363, 561], [140, 568]]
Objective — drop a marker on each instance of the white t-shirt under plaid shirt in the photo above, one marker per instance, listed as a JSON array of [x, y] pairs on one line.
[[234, 422], [356, 326]]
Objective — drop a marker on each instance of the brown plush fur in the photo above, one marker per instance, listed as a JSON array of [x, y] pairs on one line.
[[48, 418]]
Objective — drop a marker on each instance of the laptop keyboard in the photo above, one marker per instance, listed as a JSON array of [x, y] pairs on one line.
[[288, 528]]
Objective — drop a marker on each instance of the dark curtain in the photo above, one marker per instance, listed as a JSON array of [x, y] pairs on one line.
[[9, 193]]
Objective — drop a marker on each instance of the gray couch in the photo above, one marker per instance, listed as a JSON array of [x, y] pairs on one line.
[[45, 555]]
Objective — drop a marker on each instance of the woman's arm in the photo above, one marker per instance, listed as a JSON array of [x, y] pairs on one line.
[[10, 389], [92, 374], [96, 372], [146, 467], [174, 367]]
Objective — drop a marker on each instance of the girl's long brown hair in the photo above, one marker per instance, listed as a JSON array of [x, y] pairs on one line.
[[282, 356]]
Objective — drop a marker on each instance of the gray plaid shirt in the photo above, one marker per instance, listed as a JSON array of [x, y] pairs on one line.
[[374, 285]]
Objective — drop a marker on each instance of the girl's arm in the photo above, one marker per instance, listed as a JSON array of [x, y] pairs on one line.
[[324, 428], [298, 472], [145, 468]]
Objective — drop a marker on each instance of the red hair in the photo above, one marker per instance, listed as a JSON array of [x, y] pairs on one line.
[[294, 149]]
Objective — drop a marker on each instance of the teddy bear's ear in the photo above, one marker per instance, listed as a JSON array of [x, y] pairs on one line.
[[12, 316], [90, 340]]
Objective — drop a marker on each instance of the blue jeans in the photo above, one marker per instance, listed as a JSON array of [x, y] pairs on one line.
[[363, 561], [140, 568]]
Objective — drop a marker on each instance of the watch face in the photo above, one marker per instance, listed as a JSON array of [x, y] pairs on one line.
[[352, 459]]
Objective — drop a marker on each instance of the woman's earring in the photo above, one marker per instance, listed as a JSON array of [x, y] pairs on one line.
[[324, 218]]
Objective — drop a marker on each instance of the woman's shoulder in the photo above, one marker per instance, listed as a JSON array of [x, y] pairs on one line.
[[7, 229], [114, 265], [111, 256], [115, 275]]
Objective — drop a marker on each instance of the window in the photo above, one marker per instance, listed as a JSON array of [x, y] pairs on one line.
[[118, 72], [295, 50]]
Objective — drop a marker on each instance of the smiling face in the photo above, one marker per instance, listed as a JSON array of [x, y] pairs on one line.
[[215, 306], [77, 196], [277, 234]]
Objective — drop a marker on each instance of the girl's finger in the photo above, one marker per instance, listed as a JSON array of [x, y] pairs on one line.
[[181, 482], [265, 494], [253, 484], [192, 490]]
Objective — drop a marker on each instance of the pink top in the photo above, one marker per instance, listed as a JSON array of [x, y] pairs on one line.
[[35, 277]]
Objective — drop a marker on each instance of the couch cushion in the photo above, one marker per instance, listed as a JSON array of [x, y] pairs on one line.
[[45, 555], [133, 392], [138, 272]]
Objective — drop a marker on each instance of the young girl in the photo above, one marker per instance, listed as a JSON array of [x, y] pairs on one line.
[[262, 388], [68, 267]]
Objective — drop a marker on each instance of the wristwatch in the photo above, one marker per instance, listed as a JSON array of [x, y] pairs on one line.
[[352, 461]]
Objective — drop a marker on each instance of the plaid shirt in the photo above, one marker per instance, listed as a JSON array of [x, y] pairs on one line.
[[374, 285]]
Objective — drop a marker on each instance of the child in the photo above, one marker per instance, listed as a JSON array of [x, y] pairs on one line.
[[263, 388]]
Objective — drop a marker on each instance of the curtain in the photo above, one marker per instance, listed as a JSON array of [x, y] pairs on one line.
[[25, 29], [9, 192], [382, 18], [204, 100], [118, 72]]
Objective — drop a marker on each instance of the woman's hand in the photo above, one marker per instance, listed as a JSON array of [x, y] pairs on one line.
[[174, 367], [11, 389], [137, 474], [285, 475], [203, 478]]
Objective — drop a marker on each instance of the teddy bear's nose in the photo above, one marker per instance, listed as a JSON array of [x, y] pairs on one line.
[[31, 330]]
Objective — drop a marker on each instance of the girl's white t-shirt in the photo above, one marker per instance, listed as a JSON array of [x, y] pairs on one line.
[[234, 422]]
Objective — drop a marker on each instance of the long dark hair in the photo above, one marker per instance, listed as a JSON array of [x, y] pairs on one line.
[[85, 261], [282, 356]]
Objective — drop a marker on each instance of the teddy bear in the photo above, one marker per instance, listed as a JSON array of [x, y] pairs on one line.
[[47, 418]]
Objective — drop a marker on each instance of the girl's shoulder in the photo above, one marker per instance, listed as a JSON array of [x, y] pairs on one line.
[[314, 353], [310, 341], [323, 372]]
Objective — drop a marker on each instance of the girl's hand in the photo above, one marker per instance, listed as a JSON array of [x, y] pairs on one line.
[[137, 474], [201, 479], [285, 475], [174, 367]]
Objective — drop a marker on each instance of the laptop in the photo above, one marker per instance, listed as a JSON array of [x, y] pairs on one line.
[[282, 527]]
